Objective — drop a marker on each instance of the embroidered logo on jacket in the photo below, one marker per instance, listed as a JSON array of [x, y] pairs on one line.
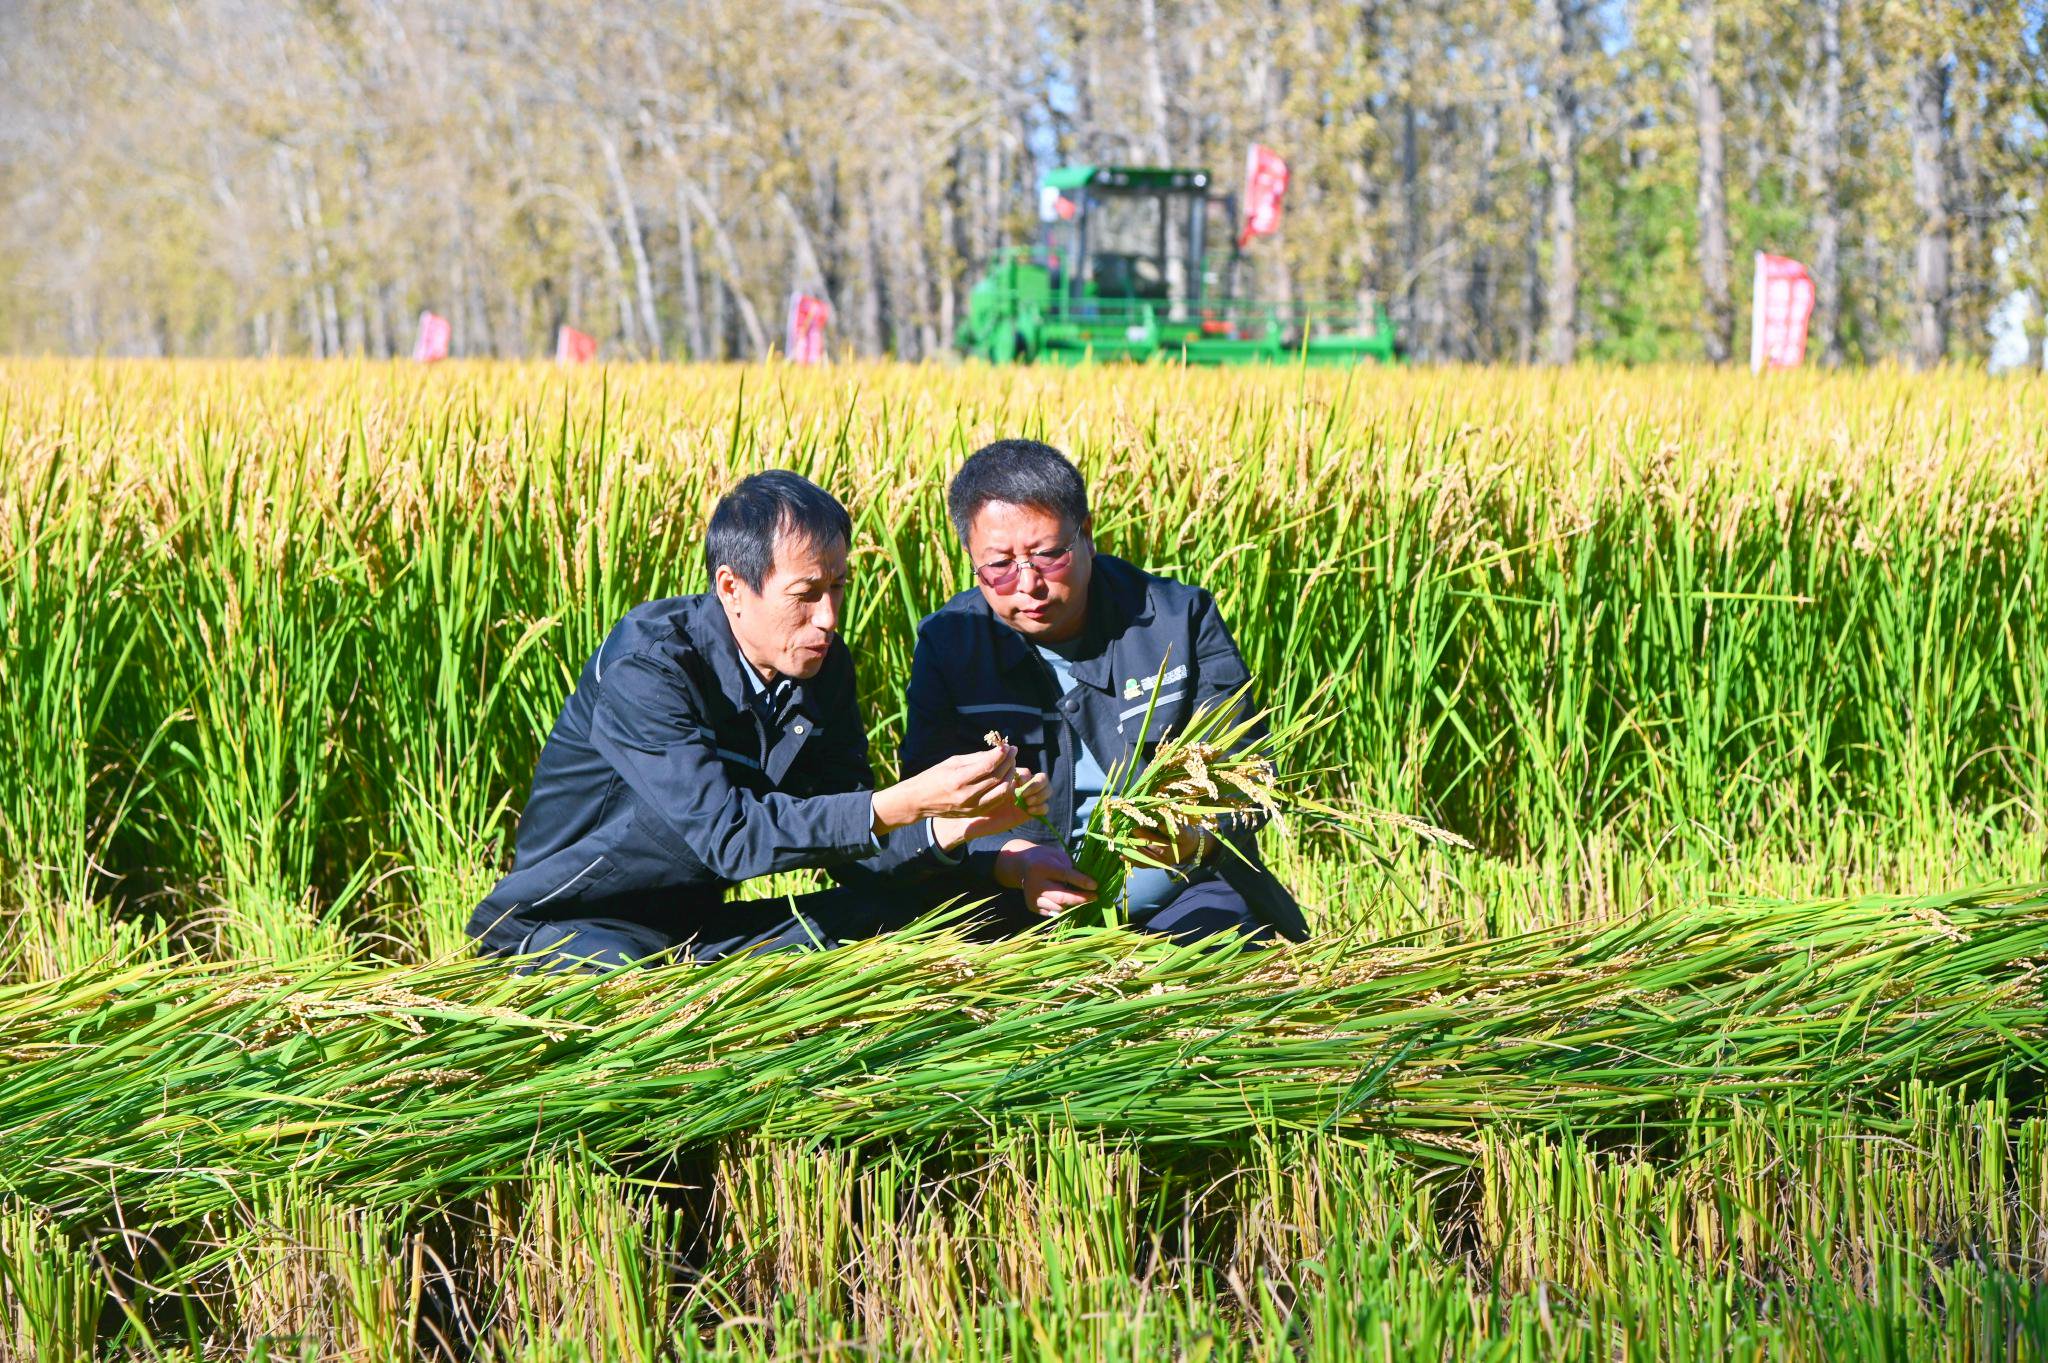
[[1135, 687]]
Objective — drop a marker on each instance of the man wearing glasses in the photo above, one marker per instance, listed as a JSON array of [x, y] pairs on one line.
[[1063, 651]]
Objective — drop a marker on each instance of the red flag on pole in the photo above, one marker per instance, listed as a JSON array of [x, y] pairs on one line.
[[574, 347], [433, 342], [1781, 305], [807, 318], [1265, 180]]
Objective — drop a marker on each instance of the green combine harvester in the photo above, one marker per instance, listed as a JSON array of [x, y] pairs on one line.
[[1143, 263]]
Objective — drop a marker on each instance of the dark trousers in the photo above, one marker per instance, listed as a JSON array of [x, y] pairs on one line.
[[1208, 907], [822, 918], [827, 918]]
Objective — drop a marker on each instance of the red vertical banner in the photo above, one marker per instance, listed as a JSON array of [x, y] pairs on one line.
[[1265, 181], [805, 343], [574, 347], [1781, 305], [433, 339]]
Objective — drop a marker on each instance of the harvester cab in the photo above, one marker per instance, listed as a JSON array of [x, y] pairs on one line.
[[1142, 263]]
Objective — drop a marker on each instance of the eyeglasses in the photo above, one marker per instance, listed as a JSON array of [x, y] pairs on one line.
[[1002, 575]]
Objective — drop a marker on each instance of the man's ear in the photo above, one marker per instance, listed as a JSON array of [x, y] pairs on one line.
[[726, 583]]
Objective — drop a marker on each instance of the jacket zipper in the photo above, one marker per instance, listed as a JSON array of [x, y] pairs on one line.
[[1070, 742]]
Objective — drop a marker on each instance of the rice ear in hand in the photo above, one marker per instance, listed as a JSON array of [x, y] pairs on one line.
[[1208, 772], [1215, 773]]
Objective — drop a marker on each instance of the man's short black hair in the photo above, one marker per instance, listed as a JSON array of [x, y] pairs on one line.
[[1023, 473], [747, 519]]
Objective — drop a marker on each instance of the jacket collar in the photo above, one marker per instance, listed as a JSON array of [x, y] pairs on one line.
[[783, 735], [1117, 603], [705, 625]]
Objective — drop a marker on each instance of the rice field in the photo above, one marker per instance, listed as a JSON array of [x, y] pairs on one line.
[[1723, 1039]]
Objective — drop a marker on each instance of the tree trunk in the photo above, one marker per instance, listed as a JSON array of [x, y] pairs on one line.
[[729, 270], [919, 258], [1529, 327], [1411, 234], [1439, 202], [1264, 75], [692, 280], [877, 325], [1561, 159], [1160, 147], [636, 241], [1362, 44], [810, 269], [952, 235], [1826, 188], [1972, 203], [691, 277], [1717, 314], [323, 267], [1927, 90], [706, 200], [989, 217], [482, 336], [356, 189], [1479, 281], [688, 279], [615, 273], [383, 336], [302, 255]]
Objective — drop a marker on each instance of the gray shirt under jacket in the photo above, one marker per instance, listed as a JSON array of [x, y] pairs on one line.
[[972, 673], [1145, 887], [672, 773]]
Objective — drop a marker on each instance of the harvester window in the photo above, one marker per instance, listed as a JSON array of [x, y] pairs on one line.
[[1126, 246], [1126, 224]]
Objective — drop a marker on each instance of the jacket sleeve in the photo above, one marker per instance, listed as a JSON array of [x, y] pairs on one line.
[[932, 722], [647, 725], [903, 851], [1220, 673], [934, 730]]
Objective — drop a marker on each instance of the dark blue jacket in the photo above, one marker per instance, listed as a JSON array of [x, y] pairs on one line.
[[972, 673], [661, 786]]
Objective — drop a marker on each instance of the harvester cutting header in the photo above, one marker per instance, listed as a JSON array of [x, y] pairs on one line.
[[1146, 263]]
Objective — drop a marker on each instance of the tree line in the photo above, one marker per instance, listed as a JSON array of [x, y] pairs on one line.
[[1534, 181]]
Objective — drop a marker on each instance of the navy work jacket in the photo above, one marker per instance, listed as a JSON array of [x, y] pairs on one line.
[[973, 673], [661, 785]]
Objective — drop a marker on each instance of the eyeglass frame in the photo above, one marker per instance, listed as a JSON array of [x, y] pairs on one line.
[[1053, 568]]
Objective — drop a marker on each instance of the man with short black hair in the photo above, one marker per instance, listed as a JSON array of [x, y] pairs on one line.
[[1065, 651], [714, 738]]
